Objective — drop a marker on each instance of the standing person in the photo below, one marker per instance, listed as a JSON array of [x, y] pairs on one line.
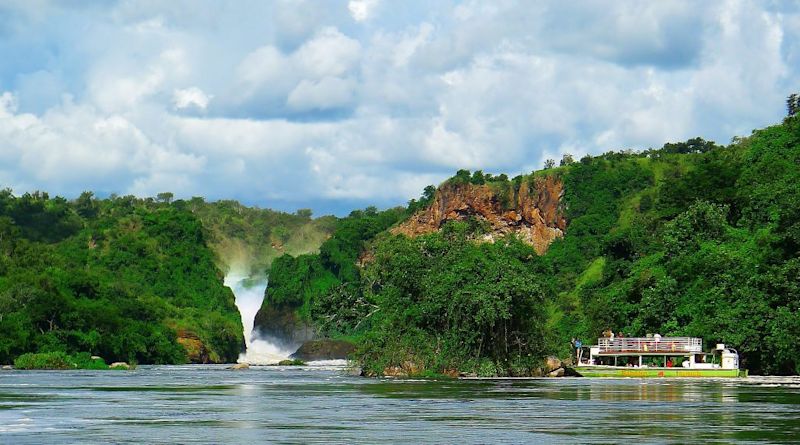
[[578, 350]]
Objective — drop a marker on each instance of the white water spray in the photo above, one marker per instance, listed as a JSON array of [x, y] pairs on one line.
[[249, 296]]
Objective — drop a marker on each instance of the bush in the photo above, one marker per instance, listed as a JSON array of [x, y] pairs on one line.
[[58, 360]]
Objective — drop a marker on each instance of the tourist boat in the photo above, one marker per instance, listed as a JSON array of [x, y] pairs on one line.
[[657, 357]]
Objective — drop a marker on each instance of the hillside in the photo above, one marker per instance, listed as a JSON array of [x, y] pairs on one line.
[[689, 239], [124, 278], [248, 239]]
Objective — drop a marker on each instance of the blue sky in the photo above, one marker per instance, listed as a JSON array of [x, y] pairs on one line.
[[341, 104]]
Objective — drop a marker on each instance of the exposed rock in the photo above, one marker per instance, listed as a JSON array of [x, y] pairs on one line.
[[7, 367], [534, 212], [196, 351], [355, 371], [324, 349], [282, 322], [452, 373], [408, 368], [119, 365], [552, 363], [97, 357], [291, 362], [556, 373], [394, 371], [240, 366]]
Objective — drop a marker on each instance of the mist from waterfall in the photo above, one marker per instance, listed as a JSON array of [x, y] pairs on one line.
[[249, 295]]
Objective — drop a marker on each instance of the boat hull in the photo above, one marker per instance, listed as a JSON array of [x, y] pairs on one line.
[[610, 371]]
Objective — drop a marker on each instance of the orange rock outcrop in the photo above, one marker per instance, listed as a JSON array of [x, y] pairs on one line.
[[534, 212]]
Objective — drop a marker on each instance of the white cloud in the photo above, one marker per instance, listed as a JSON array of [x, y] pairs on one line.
[[361, 10], [310, 107], [327, 93], [190, 97]]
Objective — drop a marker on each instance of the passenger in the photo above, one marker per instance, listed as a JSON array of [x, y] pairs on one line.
[[669, 363]]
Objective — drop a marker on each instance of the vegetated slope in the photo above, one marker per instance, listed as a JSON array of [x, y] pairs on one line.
[[124, 278], [296, 283], [690, 239], [249, 238]]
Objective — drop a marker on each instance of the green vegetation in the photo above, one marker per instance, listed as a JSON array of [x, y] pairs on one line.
[[690, 239], [291, 362], [119, 278], [444, 302], [295, 283], [58, 360], [250, 238]]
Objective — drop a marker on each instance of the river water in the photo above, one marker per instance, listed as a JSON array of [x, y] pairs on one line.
[[322, 404]]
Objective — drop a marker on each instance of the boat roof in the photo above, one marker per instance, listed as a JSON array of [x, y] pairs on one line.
[[649, 345]]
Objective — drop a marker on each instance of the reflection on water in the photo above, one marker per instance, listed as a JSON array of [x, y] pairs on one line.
[[210, 404]]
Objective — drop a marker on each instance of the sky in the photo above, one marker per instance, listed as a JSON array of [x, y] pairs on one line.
[[335, 105]]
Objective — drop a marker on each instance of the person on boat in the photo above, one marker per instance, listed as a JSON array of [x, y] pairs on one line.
[[669, 363]]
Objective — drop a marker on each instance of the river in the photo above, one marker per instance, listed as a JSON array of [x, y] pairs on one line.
[[322, 404]]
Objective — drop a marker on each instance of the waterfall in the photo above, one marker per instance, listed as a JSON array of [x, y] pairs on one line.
[[249, 295]]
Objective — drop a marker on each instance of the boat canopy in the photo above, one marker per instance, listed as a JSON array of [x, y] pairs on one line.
[[649, 345]]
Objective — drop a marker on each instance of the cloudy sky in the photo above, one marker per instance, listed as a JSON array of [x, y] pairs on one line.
[[340, 104]]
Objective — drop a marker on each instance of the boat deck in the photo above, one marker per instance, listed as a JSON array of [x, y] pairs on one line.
[[619, 371]]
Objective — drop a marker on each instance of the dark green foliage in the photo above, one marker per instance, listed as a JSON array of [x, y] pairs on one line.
[[297, 282], [116, 278], [443, 302]]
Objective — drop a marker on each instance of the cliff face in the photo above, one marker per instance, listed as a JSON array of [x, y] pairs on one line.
[[533, 212]]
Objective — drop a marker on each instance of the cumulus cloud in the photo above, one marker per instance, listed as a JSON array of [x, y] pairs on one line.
[[337, 104], [361, 9], [190, 97]]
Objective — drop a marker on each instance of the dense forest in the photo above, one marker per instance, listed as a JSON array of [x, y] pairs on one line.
[[693, 238], [122, 278]]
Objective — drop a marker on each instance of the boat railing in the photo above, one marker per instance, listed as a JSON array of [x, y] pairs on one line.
[[650, 344]]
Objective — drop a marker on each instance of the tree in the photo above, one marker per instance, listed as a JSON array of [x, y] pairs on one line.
[[86, 205], [548, 164], [792, 104], [304, 213], [165, 197], [567, 159]]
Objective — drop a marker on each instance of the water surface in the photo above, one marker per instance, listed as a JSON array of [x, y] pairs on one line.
[[210, 404]]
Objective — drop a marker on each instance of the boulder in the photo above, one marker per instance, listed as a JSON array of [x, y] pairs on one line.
[[119, 365], [291, 362], [7, 367], [97, 357], [240, 366], [552, 363], [324, 349], [556, 373]]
